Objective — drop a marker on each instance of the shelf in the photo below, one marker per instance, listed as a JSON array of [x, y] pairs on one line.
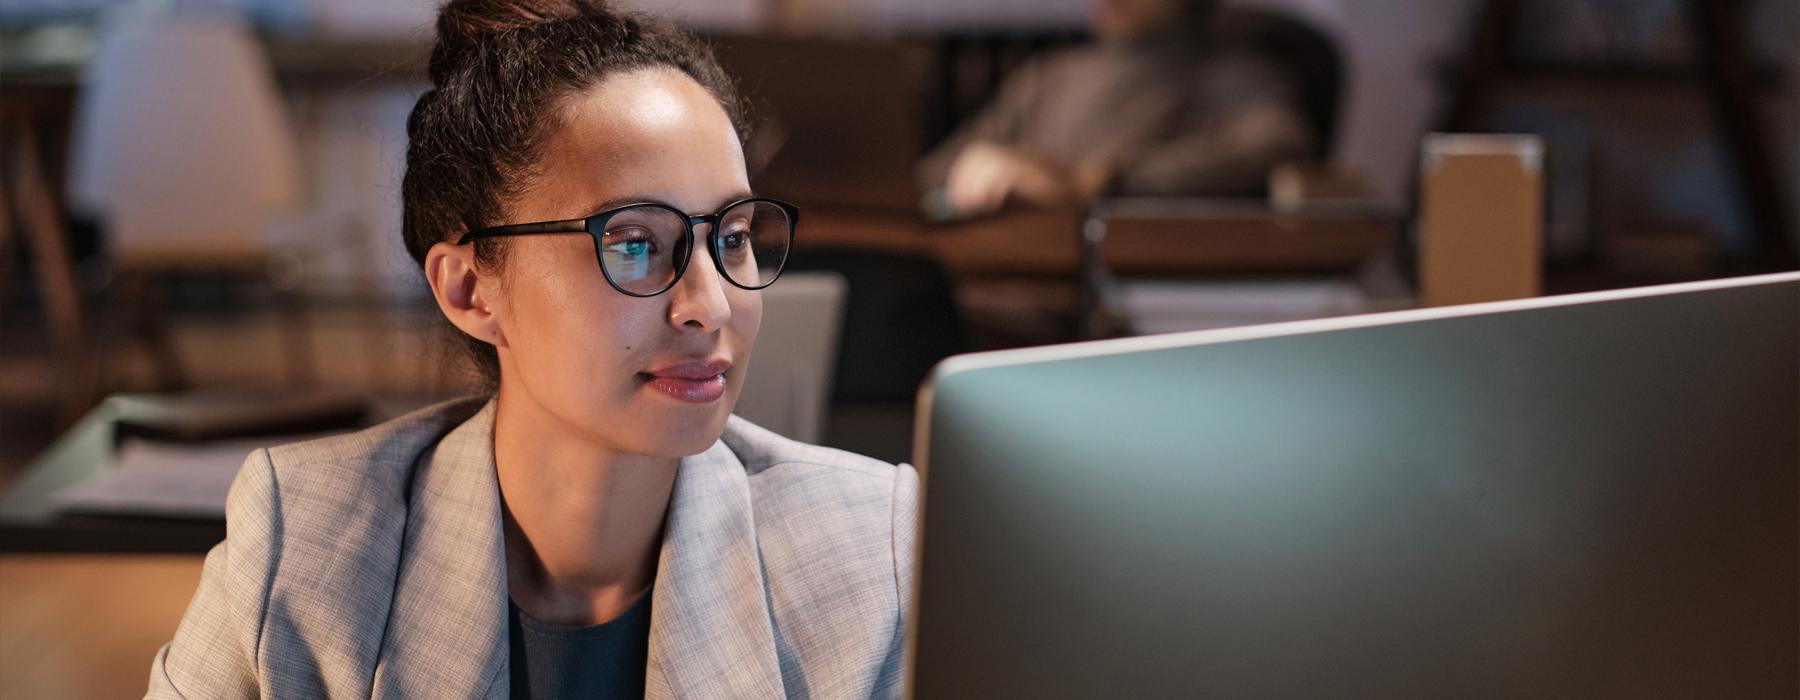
[[1614, 74]]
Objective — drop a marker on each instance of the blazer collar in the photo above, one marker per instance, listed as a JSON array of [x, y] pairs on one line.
[[711, 633], [446, 632]]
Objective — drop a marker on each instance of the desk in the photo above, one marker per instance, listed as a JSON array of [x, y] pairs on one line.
[[30, 521], [1021, 243], [1129, 236], [77, 627], [1184, 237], [1139, 236], [1187, 236]]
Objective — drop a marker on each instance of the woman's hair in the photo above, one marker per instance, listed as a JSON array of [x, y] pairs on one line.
[[498, 72]]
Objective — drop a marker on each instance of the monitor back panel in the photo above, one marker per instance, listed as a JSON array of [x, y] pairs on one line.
[[1578, 501]]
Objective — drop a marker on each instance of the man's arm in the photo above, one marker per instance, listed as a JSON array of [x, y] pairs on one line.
[[1230, 158], [1242, 124], [999, 123]]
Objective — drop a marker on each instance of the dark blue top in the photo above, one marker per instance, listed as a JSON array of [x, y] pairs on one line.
[[601, 662]]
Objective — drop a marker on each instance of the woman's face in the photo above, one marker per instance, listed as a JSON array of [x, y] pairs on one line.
[[652, 376]]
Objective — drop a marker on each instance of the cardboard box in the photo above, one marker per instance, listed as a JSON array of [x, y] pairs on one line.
[[1481, 218]]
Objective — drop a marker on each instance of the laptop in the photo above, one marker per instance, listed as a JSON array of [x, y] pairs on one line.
[[1580, 496]]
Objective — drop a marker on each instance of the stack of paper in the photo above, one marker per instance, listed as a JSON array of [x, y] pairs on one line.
[[162, 479]]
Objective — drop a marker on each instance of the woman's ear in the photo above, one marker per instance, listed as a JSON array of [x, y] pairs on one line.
[[450, 269]]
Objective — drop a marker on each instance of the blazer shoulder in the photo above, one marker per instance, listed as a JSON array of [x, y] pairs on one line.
[[314, 532], [760, 449], [374, 462]]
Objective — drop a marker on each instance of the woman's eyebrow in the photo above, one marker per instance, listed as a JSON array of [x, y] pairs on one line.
[[737, 197], [617, 202]]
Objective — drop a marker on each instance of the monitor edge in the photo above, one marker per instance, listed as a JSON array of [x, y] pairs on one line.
[[1069, 351]]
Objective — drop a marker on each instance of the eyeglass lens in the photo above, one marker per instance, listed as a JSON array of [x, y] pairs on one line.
[[752, 242], [642, 248]]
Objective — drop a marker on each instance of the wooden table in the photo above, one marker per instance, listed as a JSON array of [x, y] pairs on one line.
[[1129, 236], [1189, 236], [1029, 243], [1134, 236], [31, 521], [87, 626]]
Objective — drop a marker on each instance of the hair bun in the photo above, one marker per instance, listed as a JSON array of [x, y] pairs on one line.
[[464, 23]]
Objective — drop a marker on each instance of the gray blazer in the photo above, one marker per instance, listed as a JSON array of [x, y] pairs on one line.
[[371, 566]]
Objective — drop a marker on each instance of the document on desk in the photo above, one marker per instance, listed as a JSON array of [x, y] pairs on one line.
[[161, 479]]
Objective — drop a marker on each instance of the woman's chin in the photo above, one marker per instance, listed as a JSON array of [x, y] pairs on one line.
[[685, 429]]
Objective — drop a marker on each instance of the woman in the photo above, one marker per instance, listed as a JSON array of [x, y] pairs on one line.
[[601, 527]]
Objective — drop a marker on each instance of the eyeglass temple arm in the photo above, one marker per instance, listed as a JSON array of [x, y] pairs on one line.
[[564, 226]]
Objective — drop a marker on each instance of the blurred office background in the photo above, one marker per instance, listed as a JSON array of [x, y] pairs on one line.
[[216, 209]]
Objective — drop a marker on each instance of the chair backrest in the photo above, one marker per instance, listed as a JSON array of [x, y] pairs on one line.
[[788, 388], [836, 120], [1310, 58], [969, 68], [901, 318]]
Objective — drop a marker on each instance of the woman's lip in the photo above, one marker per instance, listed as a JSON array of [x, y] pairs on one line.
[[692, 369], [692, 381], [706, 390]]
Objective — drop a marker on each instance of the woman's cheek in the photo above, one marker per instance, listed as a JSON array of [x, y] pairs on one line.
[[746, 318]]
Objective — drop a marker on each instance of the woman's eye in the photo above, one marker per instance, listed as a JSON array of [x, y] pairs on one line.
[[628, 243], [735, 234]]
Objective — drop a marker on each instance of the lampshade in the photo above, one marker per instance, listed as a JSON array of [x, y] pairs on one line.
[[181, 146]]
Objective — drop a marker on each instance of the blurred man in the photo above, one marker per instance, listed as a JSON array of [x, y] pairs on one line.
[[1154, 108]]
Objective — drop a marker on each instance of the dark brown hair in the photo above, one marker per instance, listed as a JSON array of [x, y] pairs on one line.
[[498, 71]]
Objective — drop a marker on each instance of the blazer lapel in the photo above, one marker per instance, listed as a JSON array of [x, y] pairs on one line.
[[446, 632], [710, 630]]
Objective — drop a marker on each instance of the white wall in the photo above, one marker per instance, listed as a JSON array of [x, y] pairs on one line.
[[370, 18], [926, 15], [1393, 49], [708, 14]]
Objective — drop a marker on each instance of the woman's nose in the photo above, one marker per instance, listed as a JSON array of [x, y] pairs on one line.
[[698, 299]]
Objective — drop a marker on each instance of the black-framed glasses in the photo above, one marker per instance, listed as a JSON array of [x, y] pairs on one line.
[[644, 248]]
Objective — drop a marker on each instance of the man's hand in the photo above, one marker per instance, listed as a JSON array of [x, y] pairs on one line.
[[986, 174], [982, 177]]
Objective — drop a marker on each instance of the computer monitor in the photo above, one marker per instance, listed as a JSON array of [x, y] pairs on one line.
[[1568, 497]]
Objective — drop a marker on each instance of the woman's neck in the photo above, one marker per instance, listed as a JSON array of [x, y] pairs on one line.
[[583, 523]]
